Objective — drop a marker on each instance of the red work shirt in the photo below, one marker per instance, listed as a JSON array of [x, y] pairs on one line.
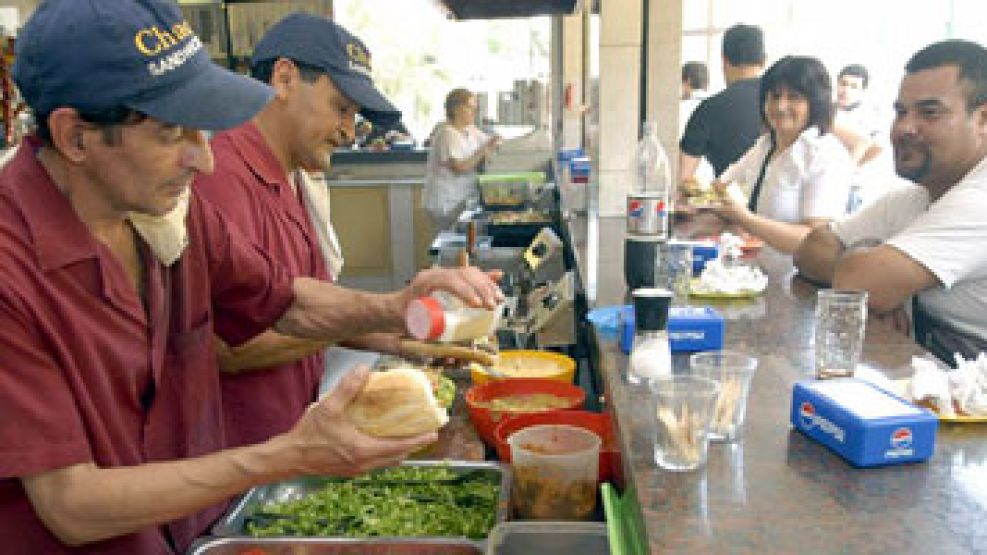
[[88, 375], [251, 190]]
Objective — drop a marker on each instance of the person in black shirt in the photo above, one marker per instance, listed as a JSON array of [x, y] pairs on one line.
[[725, 125]]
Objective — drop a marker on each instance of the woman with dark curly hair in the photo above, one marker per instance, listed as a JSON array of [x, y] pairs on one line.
[[797, 175]]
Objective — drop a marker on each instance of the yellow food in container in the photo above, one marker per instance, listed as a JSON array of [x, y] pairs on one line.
[[528, 364]]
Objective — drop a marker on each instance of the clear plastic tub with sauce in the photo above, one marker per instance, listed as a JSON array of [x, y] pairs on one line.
[[555, 472]]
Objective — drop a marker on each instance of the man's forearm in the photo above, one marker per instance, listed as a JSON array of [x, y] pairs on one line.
[[266, 350], [331, 313], [817, 255], [83, 504]]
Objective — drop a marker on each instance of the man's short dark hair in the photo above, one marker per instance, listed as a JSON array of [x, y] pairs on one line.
[[743, 45], [969, 57], [107, 121], [263, 70], [696, 74], [856, 70], [807, 76]]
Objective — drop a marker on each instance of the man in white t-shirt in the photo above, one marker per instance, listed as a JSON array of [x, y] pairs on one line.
[[925, 241]]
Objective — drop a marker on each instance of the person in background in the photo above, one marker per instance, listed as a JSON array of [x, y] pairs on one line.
[[695, 81], [262, 185], [798, 173], [726, 124], [115, 279], [863, 128], [458, 150], [921, 246], [853, 111]]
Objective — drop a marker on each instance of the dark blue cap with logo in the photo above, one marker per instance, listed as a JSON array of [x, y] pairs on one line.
[[321, 43], [94, 55]]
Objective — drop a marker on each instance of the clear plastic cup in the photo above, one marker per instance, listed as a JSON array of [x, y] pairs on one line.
[[840, 320], [555, 472], [733, 371], [684, 406]]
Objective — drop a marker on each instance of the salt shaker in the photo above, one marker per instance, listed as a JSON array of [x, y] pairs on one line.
[[651, 356]]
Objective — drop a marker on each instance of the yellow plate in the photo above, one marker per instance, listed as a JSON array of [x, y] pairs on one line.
[[902, 385], [694, 291]]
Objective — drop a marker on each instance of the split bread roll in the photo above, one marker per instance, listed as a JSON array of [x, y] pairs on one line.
[[397, 403]]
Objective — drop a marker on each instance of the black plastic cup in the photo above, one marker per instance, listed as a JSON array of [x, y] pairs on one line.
[[651, 306]]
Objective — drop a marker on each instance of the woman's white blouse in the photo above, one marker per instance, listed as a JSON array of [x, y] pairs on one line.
[[810, 179], [444, 188]]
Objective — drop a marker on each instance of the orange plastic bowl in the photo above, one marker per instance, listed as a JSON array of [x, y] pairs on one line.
[[598, 423], [485, 419]]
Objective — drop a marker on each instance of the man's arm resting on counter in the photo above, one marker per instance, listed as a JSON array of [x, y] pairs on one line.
[[817, 255], [889, 276], [83, 503]]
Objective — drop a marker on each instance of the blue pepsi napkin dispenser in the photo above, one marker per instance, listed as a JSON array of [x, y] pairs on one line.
[[690, 329], [702, 252], [863, 423]]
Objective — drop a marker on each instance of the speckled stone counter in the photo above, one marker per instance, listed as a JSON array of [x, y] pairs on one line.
[[777, 491]]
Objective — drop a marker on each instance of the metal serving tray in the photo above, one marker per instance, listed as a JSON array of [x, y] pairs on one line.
[[233, 522], [333, 546]]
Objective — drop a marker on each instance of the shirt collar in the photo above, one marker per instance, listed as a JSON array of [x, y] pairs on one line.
[[60, 238], [249, 143]]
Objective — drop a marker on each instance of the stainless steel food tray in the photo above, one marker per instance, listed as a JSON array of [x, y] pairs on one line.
[[334, 546], [233, 522]]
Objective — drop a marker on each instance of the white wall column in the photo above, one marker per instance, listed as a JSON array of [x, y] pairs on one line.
[[619, 100], [664, 72], [572, 83]]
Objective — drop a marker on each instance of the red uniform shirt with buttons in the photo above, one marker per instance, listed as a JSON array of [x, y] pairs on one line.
[[250, 189], [87, 374]]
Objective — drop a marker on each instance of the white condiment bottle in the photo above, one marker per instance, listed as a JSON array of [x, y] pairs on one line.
[[651, 355], [442, 317]]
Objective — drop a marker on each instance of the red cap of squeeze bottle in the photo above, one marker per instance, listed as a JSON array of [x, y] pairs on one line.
[[425, 318]]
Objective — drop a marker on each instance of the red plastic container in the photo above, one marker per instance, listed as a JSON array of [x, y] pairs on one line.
[[485, 419], [598, 423]]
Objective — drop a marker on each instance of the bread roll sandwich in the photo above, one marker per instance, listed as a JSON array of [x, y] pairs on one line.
[[397, 403]]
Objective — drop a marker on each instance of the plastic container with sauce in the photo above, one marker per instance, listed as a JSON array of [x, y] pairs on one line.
[[555, 472], [444, 318]]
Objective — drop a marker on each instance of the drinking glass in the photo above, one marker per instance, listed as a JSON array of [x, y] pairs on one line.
[[840, 320], [684, 405]]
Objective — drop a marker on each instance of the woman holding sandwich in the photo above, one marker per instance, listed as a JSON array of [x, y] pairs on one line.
[[798, 173]]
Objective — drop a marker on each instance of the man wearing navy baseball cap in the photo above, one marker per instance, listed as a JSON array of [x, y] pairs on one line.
[[321, 77], [115, 279]]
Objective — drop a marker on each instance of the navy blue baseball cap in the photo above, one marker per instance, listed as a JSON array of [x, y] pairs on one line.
[[94, 55], [321, 43]]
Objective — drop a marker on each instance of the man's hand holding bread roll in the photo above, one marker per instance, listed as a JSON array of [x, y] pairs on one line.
[[326, 442], [397, 403]]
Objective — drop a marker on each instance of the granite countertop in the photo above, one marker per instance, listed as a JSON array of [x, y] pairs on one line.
[[776, 491]]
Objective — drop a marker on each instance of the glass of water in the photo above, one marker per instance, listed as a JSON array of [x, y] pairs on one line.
[[840, 321]]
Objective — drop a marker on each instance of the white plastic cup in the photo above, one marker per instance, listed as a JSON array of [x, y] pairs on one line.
[[555, 471], [733, 371]]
